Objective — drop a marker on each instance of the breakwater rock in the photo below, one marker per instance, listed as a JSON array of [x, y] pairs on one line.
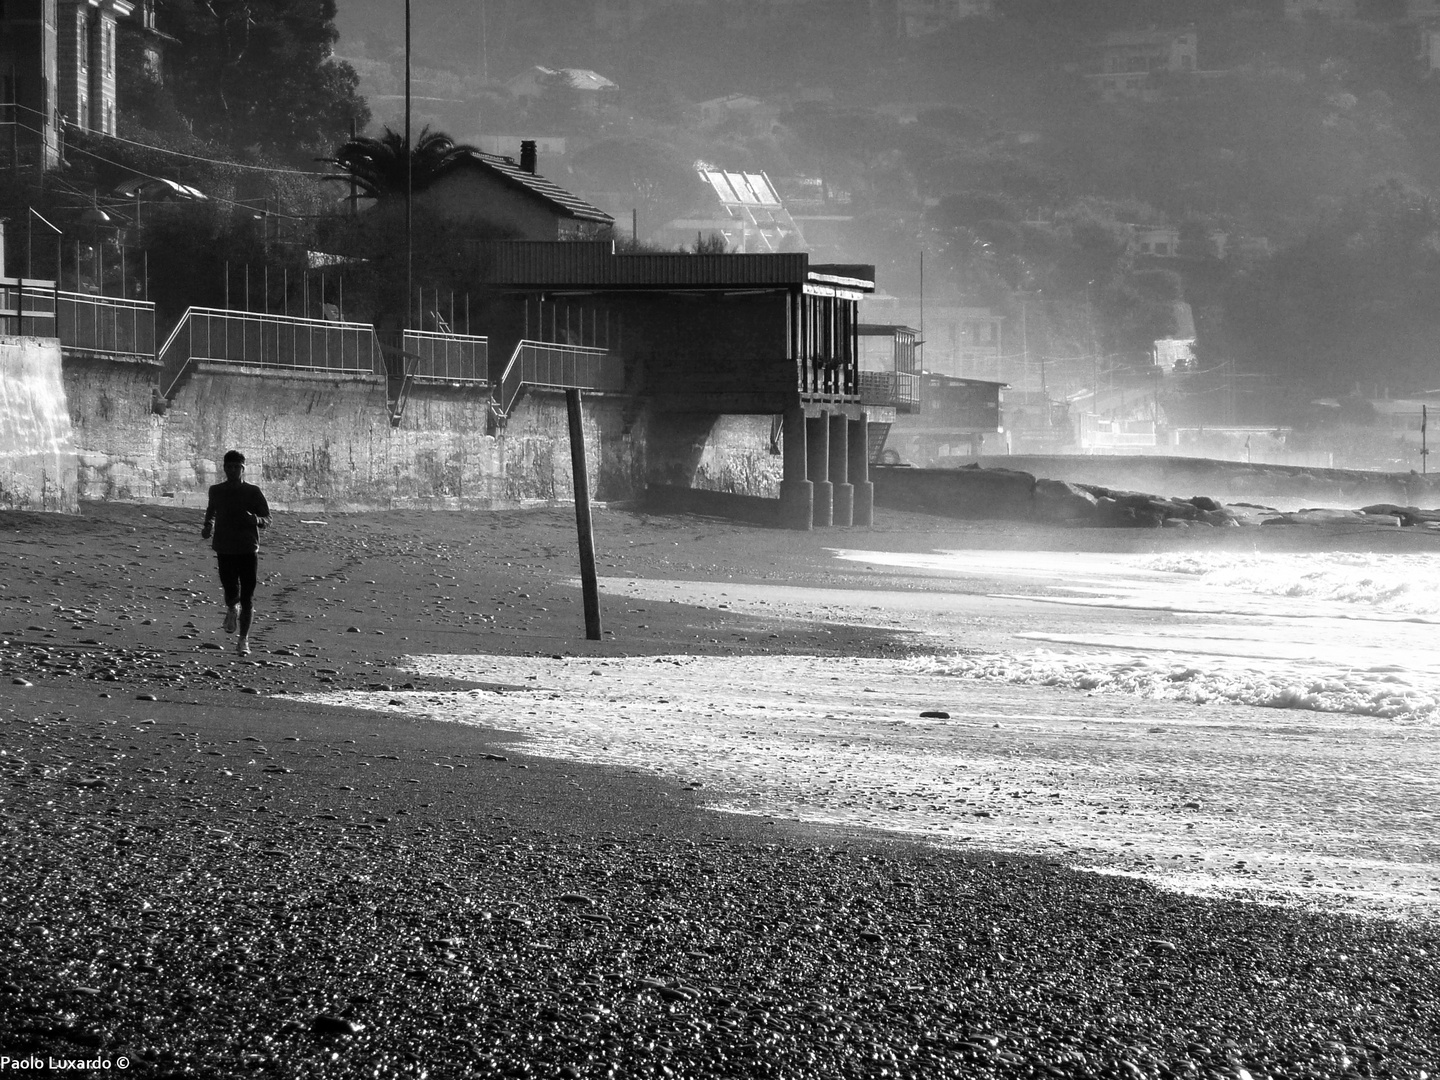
[[977, 492]]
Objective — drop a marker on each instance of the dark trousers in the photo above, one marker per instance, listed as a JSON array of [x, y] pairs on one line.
[[237, 577]]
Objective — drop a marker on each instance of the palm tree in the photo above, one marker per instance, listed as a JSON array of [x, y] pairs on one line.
[[377, 165]]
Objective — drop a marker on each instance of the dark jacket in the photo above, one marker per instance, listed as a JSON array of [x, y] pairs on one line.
[[232, 512]]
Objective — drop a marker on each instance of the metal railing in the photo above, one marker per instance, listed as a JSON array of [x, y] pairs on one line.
[[890, 388], [441, 357], [1098, 439], [106, 324], [546, 364], [27, 307], [276, 341]]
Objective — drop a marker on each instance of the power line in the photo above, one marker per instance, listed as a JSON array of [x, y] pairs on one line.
[[216, 199], [173, 153]]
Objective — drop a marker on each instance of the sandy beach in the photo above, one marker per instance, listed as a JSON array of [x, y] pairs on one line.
[[408, 837]]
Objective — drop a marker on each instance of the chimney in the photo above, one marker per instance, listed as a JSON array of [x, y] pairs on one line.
[[528, 155]]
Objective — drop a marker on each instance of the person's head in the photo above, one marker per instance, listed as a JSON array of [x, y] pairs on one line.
[[234, 464]]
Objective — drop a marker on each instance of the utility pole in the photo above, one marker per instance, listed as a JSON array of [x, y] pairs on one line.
[[484, 46], [354, 190], [921, 344], [409, 184]]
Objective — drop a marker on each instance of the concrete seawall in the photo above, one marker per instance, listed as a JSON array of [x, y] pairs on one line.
[[38, 464], [316, 441]]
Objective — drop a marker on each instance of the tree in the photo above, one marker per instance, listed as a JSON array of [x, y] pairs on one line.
[[260, 73], [377, 165], [1354, 299]]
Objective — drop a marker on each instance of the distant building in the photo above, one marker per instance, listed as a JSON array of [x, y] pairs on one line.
[[1335, 9], [1121, 65], [500, 193], [591, 86], [57, 60], [921, 18], [757, 116], [744, 209], [153, 40], [1430, 49], [1161, 241], [512, 146], [86, 32], [954, 417], [959, 341]]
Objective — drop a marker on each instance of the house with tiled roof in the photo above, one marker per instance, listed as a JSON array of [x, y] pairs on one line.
[[494, 192]]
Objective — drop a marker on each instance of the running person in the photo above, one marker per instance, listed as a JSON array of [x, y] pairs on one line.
[[235, 515]]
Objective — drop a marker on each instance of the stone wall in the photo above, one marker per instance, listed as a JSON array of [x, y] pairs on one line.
[[115, 430], [711, 452], [37, 452], [313, 441], [319, 441]]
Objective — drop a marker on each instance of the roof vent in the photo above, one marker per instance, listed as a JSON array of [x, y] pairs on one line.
[[528, 156]]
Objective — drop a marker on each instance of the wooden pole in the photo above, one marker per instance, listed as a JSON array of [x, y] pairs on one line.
[[582, 517]]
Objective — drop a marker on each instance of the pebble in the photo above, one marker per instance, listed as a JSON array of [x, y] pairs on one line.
[[330, 1024]]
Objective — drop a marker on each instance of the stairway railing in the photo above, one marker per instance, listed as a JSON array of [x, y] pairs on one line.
[[551, 365]]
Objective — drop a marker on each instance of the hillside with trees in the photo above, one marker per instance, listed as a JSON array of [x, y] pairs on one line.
[[1298, 163], [1306, 148]]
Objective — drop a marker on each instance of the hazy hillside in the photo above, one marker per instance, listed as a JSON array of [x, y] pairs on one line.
[[986, 146]]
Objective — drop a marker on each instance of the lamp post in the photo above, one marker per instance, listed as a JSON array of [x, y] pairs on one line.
[[96, 219], [30, 220]]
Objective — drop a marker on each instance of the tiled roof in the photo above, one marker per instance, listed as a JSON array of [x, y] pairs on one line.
[[537, 186], [578, 263]]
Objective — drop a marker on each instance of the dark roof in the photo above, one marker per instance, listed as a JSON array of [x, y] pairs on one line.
[[884, 329], [595, 264], [537, 186], [958, 380]]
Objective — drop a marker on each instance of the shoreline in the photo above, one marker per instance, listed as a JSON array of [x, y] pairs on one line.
[[227, 888]]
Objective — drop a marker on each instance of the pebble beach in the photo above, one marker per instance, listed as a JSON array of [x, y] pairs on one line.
[[218, 866]]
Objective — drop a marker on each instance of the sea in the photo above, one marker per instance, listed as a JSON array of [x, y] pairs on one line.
[[1262, 727]]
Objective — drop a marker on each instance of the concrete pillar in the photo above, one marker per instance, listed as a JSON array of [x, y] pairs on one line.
[[817, 437], [840, 469], [860, 472], [797, 494]]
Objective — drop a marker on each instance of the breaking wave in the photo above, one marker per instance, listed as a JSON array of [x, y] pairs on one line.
[[1387, 691], [1400, 584]]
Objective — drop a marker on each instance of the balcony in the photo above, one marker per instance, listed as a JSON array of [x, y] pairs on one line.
[[889, 366]]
